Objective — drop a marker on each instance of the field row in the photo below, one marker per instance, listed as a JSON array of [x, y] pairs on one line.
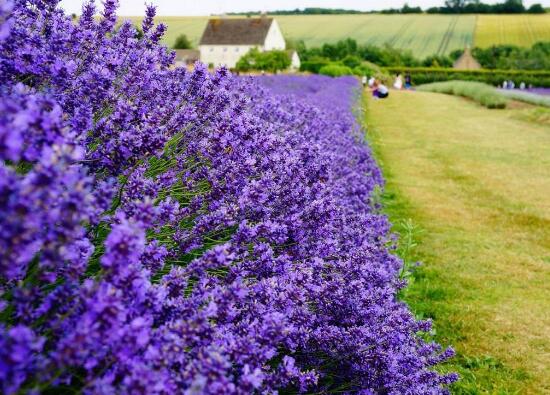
[[424, 35]]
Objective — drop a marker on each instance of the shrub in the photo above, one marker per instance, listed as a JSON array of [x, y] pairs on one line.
[[335, 70], [268, 61], [424, 75], [527, 97], [365, 70], [351, 61], [182, 42], [168, 232], [483, 94], [314, 64]]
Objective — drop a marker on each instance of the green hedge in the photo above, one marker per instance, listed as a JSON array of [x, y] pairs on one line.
[[335, 70], [314, 65], [484, 94], [426, 75]]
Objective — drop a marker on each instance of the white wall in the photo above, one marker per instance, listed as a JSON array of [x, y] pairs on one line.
[[226, 55], [274, 38], [295, 61]]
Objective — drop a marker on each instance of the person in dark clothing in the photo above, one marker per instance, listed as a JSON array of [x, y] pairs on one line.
[[408, 81]]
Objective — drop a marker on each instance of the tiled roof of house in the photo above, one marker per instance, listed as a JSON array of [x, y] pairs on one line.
[[236, 31]]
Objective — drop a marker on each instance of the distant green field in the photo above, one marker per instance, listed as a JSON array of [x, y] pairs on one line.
[[423, 34], [522, 30]]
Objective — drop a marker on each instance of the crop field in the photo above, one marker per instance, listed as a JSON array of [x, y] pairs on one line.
[[424, 35], [522, 30]]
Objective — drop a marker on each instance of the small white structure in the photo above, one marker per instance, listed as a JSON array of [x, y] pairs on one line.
[[294, 60], [226, 40]]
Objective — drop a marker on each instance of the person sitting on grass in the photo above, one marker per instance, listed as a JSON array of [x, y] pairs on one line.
[[379, 90]]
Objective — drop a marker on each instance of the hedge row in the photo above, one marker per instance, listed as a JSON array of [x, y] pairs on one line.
[[425, 75]]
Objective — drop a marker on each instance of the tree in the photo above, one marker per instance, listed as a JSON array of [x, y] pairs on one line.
[[536, 9], [410, 10], [182, 42], [455, 5], [510, 7], [269, 61]]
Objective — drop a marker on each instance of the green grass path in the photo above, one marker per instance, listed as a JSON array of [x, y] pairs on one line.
[[476, 184]]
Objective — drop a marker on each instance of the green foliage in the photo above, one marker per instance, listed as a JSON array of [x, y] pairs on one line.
[[507, 57], [477, 7], [536, 9], [314, 64], [366, 69], [424, 75], [454, 55], [406, 9], [351, 61], [335, 70], [483, 94], [437, 61], [271, 61], [182, 42], [351, 54]]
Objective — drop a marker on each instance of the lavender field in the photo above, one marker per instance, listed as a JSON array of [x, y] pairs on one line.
[[165, 231]]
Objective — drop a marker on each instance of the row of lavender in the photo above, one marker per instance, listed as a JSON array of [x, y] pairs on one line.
[[171, 232]]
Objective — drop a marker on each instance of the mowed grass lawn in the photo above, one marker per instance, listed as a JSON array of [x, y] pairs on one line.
[[521, 30], [475, 183]]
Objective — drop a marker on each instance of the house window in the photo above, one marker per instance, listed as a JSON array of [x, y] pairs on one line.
[[211, 49], [237, 49], [225, 49]]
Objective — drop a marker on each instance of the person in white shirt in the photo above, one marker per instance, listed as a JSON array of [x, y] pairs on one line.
[[380, 91], [398, 84]]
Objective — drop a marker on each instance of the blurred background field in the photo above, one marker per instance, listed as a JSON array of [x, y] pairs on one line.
[[521, 30], [423, 34]]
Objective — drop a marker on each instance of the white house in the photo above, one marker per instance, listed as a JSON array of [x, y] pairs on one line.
[[226, 40]]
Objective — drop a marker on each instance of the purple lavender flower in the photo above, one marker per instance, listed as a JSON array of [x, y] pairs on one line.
[[165, 231]]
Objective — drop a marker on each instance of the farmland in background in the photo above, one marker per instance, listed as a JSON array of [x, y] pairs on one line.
[[521, 30], [424, 35]]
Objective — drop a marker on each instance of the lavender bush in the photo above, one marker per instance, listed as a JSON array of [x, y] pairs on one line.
[[167, 232], [538, 97]]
